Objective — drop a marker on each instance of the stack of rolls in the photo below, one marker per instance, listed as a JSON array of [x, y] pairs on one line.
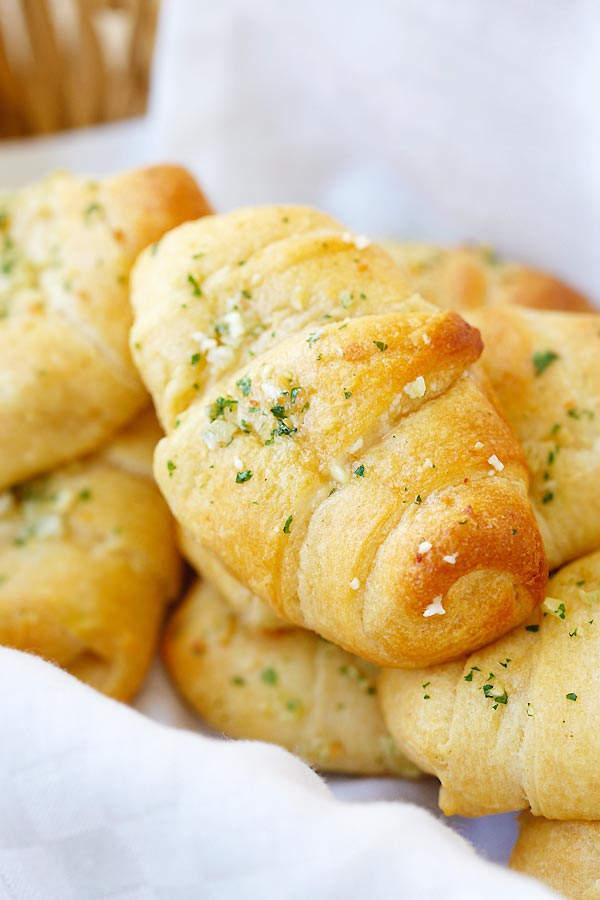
[[515, 725], [372, 458], [358, 489], [88, 556]]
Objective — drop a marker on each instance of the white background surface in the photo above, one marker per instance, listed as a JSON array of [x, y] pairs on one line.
[[450, 121]]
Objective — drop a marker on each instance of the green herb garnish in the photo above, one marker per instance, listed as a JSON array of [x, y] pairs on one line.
[[196, 289], [269, 676], [244, 385], [542, 360]]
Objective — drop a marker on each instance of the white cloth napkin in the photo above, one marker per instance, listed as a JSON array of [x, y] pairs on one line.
[[100, 803]]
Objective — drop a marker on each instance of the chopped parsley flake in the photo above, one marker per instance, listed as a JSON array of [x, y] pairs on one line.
[[548, 497], [288, 523], [195, 359], [196, 290], [578, 414], [269, 676], [241, 477], [542, 360], [532, 628], [347, 394], [238, 680], [313, 337], [418, 499], [571, 696], [469, 677], [244, 384], [360, 471], [559, 612], [171, 467], [380, 345], [221, 404], [93, 209], [294, 393], [85, 494]]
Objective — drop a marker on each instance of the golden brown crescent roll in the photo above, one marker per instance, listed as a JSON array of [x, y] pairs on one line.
[[545, 369], [566, 855], [286, 687], [328, 440], [516, 724], [249, 608], [67, 244], [87, 563], [467, 278]]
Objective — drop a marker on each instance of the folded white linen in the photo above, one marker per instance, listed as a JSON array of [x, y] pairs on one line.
[[98, 802]]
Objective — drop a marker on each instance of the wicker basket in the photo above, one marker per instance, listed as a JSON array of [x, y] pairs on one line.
[[67, 63]]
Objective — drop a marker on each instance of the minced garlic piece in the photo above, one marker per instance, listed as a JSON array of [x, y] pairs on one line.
[[6, 502], [435, 608], [424, 547], [339, 472], [219, 432], [495, 462], [49, 526], [416, 389], [450, 559], [355, 584], [220, 357]]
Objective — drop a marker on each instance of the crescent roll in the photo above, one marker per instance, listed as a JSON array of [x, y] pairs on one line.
[[545, 370], [87, 563], [286, 687], [249, 609], [566, 855], [467, 278], [515, 725], [67, 382], [328, 439]]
